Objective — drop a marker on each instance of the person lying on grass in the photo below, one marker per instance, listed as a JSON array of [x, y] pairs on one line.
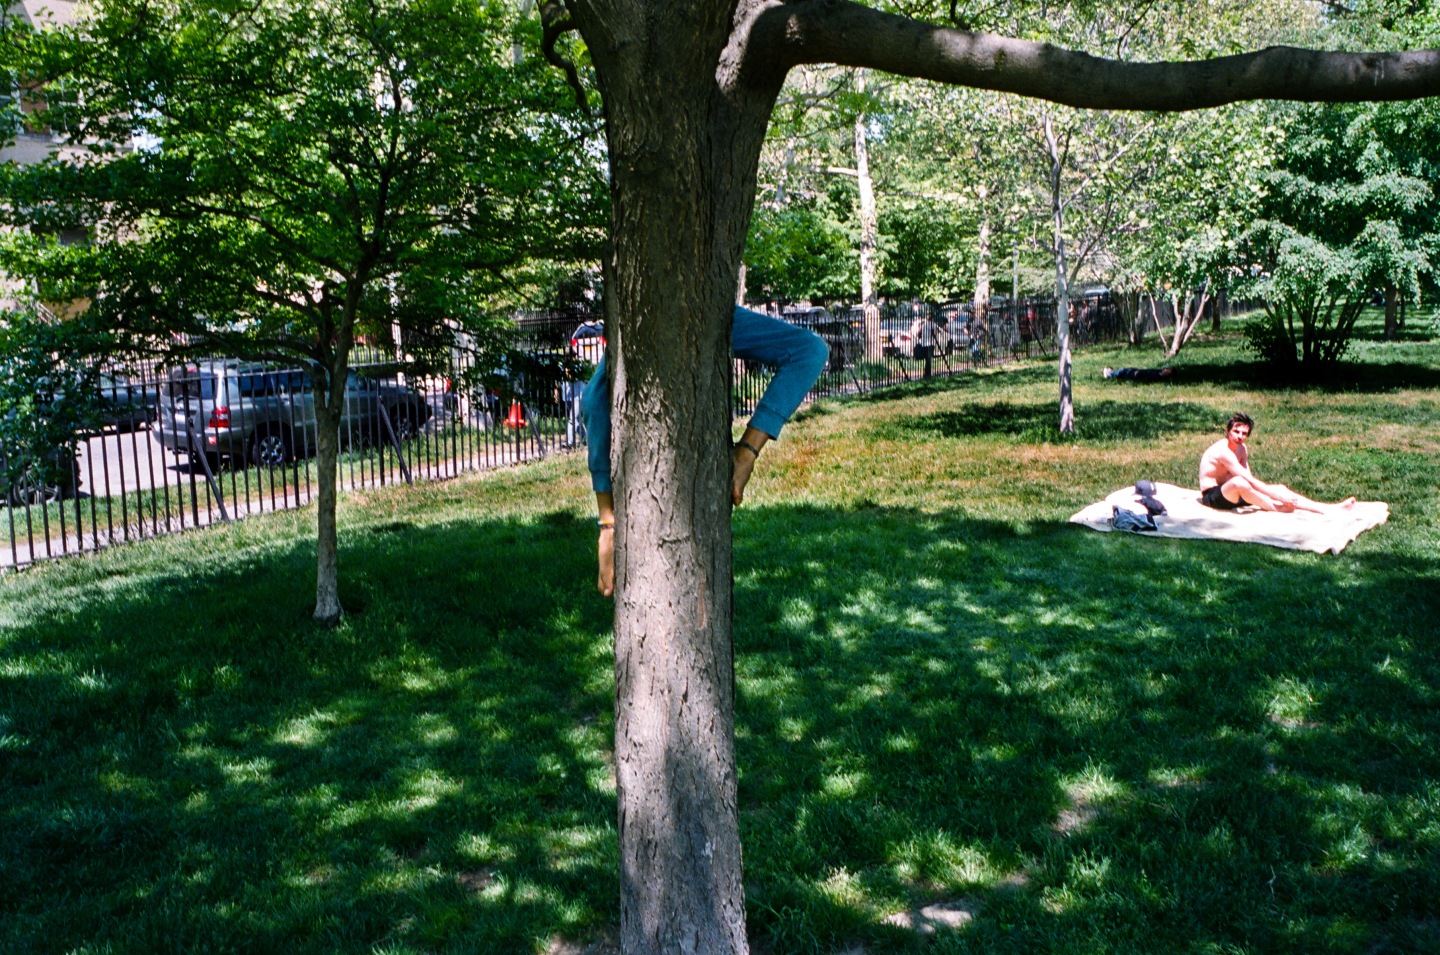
[[1139, 374], [1226, 481], [797, 354]]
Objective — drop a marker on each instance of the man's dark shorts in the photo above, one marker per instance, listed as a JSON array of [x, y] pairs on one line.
[[1212, 497]]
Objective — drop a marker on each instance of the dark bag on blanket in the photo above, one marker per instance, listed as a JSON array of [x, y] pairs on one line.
[[1127, 520]]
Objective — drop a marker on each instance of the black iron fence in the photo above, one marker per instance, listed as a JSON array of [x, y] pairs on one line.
[[215, 441]]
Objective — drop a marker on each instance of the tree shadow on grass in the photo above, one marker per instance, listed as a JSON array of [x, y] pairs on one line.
[[1360, 377], [1083, 741], [191, 765], [1090, 741], [1037, 422]]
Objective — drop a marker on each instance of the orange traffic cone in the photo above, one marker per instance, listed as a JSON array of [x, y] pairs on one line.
[[517, 416]]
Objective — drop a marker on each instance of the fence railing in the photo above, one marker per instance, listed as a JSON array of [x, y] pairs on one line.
[[166, 459]]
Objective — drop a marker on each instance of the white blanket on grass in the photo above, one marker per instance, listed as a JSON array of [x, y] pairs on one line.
[[1186, 517]]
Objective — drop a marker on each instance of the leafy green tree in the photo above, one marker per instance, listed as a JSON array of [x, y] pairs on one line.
[[809, 218], [275, 181], [1351, 210], [1197, 193], [929, 248], [801, 249]]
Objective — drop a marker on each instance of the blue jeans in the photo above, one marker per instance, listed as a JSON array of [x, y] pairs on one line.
[[798, 354]]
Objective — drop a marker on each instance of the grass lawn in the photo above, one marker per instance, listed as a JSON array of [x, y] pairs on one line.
[[950, 700]]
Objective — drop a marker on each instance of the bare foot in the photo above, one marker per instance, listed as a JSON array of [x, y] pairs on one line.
[[606, 552], [743, 464]]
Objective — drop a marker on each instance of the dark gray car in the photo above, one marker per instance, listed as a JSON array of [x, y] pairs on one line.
[[253, 412]]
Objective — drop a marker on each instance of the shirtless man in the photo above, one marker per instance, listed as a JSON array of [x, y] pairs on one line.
[[1226, 482]]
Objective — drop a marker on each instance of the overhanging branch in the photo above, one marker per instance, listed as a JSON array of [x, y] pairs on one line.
[[846, 33]]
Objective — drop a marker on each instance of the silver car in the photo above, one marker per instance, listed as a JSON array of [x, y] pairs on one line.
[[253, 412]]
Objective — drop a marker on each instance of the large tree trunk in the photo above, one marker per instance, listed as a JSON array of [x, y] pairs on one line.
[[683, 151]]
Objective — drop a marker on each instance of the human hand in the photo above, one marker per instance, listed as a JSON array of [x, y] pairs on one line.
[[605, 583]]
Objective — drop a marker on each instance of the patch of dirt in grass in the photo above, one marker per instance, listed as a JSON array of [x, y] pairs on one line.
[[609, 944], [1078, 816], [952, 914], [477, 880], [1075, 819]]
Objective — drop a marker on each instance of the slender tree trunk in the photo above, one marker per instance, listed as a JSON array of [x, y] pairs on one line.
[[1189, 309], [329, 407], [1062, 292], [868, 228], [1155, 317], [327, 569], [1392, 312], [981, 303]]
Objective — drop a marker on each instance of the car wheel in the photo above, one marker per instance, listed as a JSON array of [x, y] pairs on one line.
[[406, 422], [272, 448], [31, 488]]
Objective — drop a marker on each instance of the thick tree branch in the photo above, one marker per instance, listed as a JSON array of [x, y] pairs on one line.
[[557, 23], [787, 34]]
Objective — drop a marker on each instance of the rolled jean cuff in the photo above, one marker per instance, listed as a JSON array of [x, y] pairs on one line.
[[768, 421]]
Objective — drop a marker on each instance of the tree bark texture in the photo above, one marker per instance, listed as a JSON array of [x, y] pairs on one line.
[[684, 146], [327, 566]]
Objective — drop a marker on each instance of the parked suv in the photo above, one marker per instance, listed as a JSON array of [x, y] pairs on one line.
[[253, 412]]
